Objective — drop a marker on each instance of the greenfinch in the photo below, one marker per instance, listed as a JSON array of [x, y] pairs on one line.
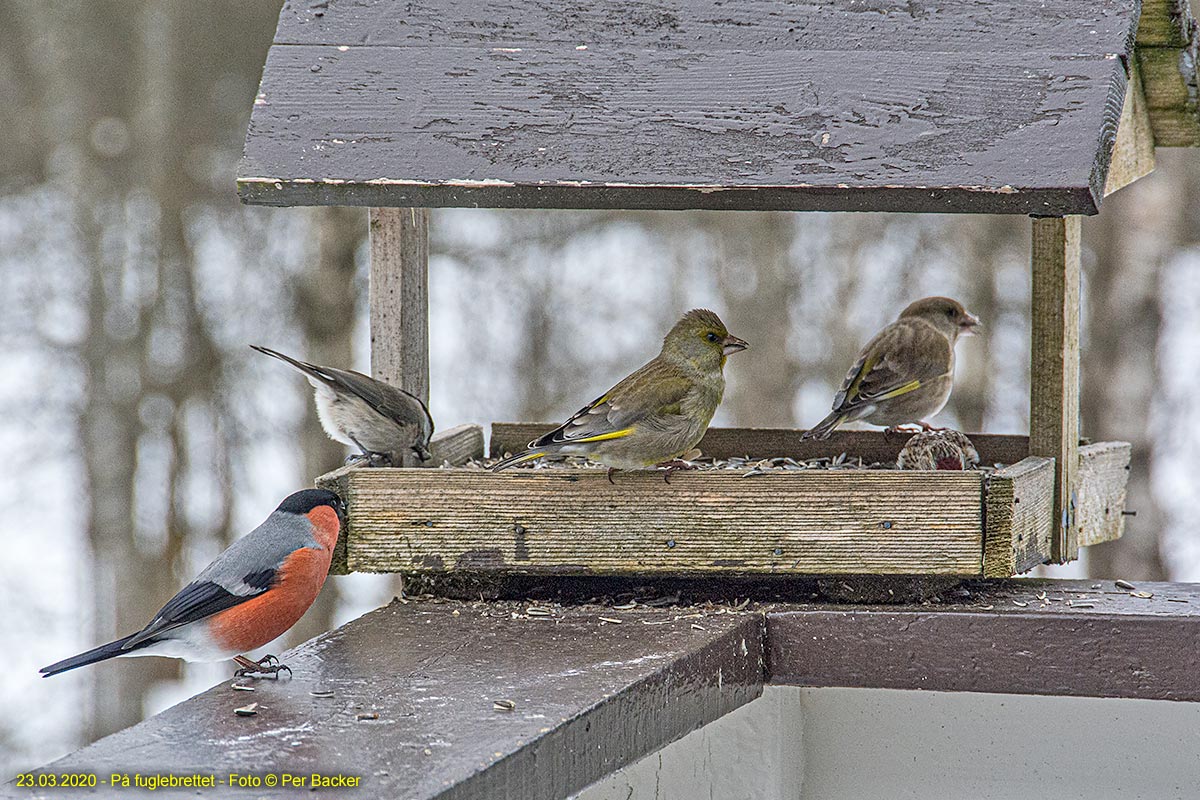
[[657, 413], [904, 374], [930, 450], [382, 421]]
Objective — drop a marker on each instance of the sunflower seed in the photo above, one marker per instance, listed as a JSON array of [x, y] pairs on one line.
[[322, 693], [538, 611], [366, 715], [613, 620], [1126, 585], [1082, 605], [503, 705]]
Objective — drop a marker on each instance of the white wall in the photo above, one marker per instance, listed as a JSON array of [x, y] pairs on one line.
[[848, 744]]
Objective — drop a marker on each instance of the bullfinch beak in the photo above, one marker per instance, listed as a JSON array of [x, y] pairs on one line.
[[732, 344]]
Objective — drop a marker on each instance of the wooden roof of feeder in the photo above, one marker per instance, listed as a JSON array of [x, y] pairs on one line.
[[824, 105]]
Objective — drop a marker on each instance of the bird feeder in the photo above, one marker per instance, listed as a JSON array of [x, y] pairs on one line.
[[1025, 107]]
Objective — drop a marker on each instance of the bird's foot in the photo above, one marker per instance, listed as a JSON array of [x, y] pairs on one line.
[[906, 430], [925, 426], [267, 665], [674, 465]]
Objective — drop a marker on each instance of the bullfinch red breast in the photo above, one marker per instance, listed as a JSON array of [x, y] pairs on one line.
[[382, 421], [251, 594]]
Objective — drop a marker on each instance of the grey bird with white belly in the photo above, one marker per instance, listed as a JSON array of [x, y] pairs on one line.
[[382, 421]]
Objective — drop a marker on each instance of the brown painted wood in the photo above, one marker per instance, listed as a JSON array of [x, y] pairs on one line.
[[760, 25], [871, 446], [573, 521], [1054, 368], [1103, 475], [1015, 637], [399, 298], [1018, 515], [807, 106], [404, 697], [453, 446], [589, 697]]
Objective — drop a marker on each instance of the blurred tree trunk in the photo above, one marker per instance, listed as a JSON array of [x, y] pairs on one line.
[[1119, 372], [755, 263], [325, 309]]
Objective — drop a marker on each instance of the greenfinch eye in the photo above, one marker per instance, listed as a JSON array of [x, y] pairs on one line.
[[712, 337]]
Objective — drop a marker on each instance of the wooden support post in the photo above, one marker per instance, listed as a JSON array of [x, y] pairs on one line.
[[1054, 369], [399, 299]]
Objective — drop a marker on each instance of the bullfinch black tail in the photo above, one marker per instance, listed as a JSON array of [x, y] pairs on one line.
[[101, 653]]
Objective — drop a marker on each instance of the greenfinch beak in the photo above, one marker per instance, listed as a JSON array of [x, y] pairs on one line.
[[970, 324], [732, 344]]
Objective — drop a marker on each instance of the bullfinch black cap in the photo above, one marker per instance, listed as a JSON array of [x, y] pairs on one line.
[[305, 501]]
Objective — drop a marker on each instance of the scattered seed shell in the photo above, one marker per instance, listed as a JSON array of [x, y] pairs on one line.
[[322, 693], [1126, 585], [241, 687], [366, 715], [1143, 595], [538, 611], [503, 705], [247, 711], [1020, 603], [613, 620], [625, 606]]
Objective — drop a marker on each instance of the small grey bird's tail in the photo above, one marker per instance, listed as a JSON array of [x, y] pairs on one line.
[[825, 427], [101, 653], [303, 366]]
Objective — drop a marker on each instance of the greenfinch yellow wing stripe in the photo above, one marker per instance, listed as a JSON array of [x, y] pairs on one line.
[[600, 437], [905, 389]]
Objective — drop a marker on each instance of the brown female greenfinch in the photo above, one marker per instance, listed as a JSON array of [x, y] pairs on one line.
[[656, 414], [905, 373]]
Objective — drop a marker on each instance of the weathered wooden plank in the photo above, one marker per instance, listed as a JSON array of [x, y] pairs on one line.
[[1054, 368], [1168, 56], [1133, 150], [398, 298], [1012, 637], [453, 446], [1103, 475], [1162, 23], [405, 702], [1024, 132], [574, 521], [1171, 85], [457, 445], [871, 446], [957, 25], [1018, 517]]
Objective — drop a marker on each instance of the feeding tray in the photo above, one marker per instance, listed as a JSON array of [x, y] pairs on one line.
[[572, 521]]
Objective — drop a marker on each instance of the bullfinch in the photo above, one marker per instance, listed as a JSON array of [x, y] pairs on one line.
[[657, 413], [905, 374], [380, 420], [251, 594]]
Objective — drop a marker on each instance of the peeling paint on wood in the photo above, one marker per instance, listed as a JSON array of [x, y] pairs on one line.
[[762, 105]]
